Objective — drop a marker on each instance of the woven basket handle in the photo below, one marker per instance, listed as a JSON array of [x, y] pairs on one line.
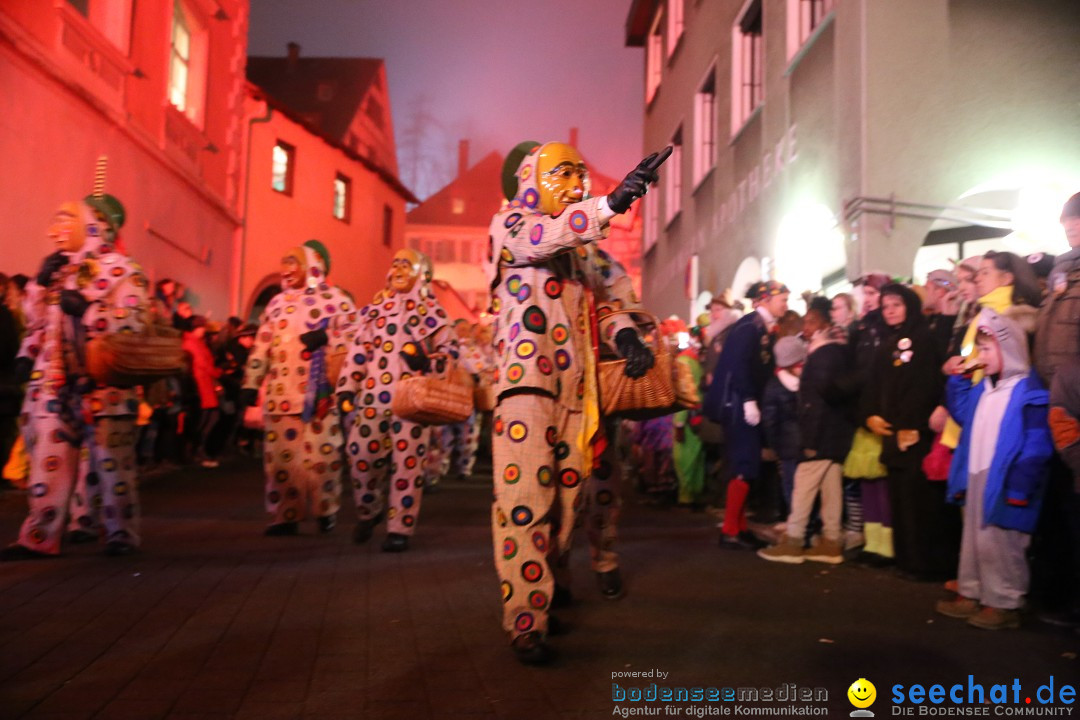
[[447, 366], [655, 322]]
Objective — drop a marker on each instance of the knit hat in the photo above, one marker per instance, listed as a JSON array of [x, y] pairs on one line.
[[766, 288], [789, 351], [1072, 207], [1041, 264]]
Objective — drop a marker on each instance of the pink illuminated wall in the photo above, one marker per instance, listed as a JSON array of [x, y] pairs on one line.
[[79, 86], [360, 257]]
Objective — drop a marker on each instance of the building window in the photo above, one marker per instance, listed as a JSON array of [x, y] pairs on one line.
[[673, 179], [387, 226], [342, 197], [281, 171], [112, 18], [653, 59], [325, 91], [705, 127], [458, 207], [187, 64], [747, 70], [674, 25], [803, 18]]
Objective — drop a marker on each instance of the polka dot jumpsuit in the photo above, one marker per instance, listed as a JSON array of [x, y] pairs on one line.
[[79, 432], [380, 446], [547, 275], [303, 437]]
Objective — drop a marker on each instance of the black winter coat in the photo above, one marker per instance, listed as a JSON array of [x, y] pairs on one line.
[[780, 418], [827, 407], [904, 387]]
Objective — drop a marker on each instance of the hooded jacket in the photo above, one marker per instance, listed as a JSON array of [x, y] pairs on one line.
[[1017, 475], [826, 407], [116, 289], [904, 384], [545, 271], [279, 356]]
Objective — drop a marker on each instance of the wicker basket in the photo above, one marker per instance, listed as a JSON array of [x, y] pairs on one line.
[[651, 395], [441, 398], [130, 359], [687, 393]]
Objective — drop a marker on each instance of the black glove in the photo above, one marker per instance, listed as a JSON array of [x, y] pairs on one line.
[[23, 367], [414, 356], [314, 339], [50, 267], [638, 356], [248, 397], [73, 303], [633, 186]]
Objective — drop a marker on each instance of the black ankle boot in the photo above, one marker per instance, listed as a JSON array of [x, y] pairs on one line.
[[610, 583], [530, 649], [327, 523]]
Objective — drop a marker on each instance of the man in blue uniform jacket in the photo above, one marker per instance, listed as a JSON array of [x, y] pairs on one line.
[[745, 364]]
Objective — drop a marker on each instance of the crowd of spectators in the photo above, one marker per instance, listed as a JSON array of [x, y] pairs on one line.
[[928, 428]]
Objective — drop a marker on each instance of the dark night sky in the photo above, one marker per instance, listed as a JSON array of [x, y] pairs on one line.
[[493, 71]]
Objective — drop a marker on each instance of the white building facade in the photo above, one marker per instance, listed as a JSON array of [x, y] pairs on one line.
[[820, 139]]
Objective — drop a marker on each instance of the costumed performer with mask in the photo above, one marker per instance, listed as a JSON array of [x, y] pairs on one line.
[[396, 332], [79, 431], [302, 329], [545, 268]]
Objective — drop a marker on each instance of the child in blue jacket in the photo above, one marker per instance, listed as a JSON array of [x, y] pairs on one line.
[[998, 474]]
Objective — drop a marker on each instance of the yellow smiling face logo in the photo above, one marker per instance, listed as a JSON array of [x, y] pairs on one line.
[[862, 693]]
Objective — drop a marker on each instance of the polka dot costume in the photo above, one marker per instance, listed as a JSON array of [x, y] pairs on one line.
[[387, 454], [538, 491], [110, 475], [302, 460], [603, 500], [303, 465], [80, 435], [548, 278]]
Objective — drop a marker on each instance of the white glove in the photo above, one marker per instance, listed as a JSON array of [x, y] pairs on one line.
[[751, 413]]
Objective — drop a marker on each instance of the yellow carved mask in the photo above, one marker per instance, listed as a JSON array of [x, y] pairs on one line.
[[293, 267], [404, 270], [562, 177], [68, 231]]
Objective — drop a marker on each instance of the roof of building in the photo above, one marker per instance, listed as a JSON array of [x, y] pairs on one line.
[[327, 91], [388, 177], [479, 190], [638, 21]]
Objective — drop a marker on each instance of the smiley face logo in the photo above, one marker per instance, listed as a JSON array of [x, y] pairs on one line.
[[862, 694]]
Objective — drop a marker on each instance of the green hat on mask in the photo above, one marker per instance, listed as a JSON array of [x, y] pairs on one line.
[[109, 209], [510, 166], [321, 251]]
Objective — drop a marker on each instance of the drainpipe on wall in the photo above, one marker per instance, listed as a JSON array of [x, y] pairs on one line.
[[243, 234]]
